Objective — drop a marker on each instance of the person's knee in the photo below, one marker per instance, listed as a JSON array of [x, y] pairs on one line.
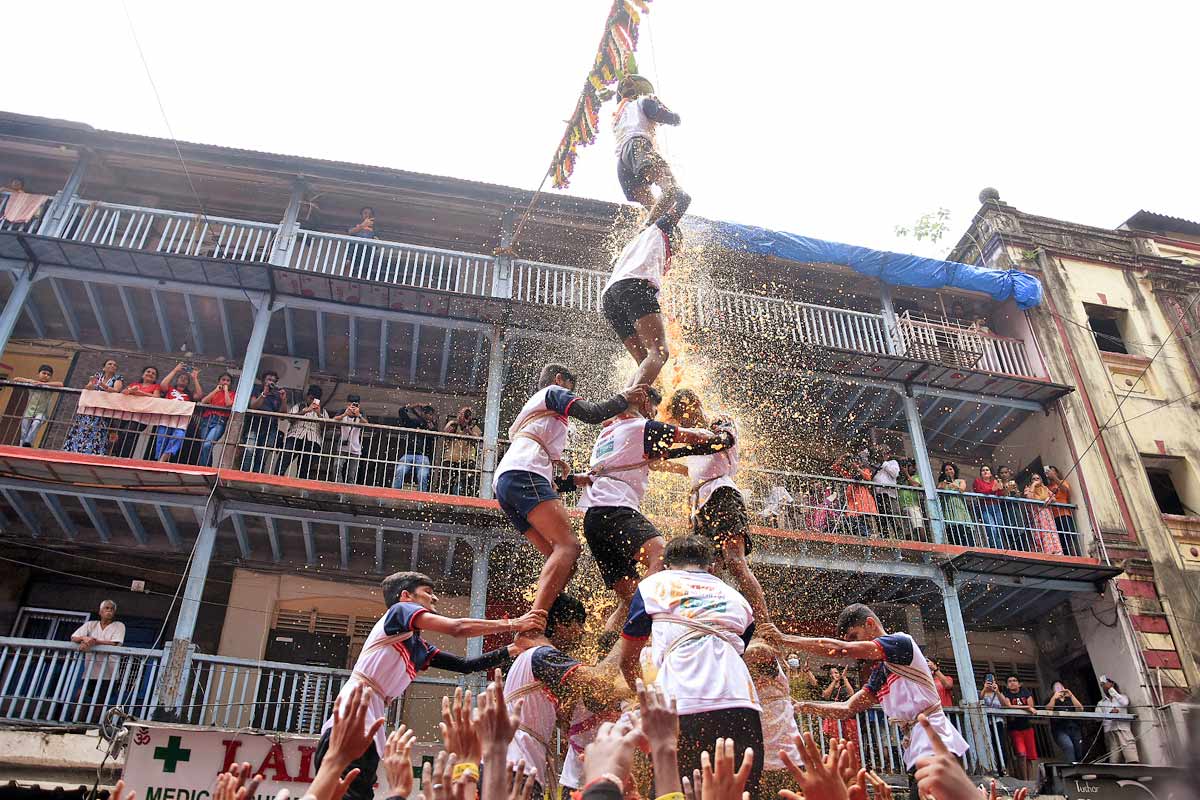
[[570, 547]]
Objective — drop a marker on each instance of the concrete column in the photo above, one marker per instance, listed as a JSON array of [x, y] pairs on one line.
[[491, 411], [502, 278], [479, 586], [933, 506], [974, 718], [254, 348], [197, 574], [285, 240], [56, 216], [15, 305], [889, 318]]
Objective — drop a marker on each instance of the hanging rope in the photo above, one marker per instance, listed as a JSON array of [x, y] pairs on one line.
[[614, 59]]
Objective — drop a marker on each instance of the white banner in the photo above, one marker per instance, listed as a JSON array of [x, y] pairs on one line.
[[176, 762]]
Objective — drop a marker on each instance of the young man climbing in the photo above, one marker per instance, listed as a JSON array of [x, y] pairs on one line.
[[718, 508], [618, 535], [533, 466], [553, 685], [394, 652], [630, 298], [901, 682], [698, 627], [639, 164]]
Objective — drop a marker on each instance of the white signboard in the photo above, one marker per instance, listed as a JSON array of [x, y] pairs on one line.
[[178, 762]]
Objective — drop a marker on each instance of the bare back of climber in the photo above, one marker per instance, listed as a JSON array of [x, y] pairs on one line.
[[639, 164]]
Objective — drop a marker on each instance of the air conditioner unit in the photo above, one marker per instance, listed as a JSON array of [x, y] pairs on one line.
[[293, 372]]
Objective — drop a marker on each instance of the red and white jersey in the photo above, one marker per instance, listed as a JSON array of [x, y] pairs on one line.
[[625, 445], [778, 719], [538, 714], [706, 672], [646, 257], [708, 473], [544, 416], [630, 121]]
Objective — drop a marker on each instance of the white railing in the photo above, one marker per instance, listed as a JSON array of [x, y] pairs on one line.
[[1042, 721], [400, 264], [803, 323], [970, 346], [173, 232], [1010, 523], [274, 696], [555, 285], [56, 682], [24, 227]]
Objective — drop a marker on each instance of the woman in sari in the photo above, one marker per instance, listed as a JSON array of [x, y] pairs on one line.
[[88, 433]]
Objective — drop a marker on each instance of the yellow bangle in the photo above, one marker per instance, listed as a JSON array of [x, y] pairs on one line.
[[670, 796], [467, 768]]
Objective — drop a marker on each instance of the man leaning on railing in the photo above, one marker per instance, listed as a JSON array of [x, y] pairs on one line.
[[101, 669]]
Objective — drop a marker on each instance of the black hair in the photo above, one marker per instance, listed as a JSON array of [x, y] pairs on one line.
[[942, 472], [987, 466], [565, 610], [607, 640], [687, 551], [680, 401], [226, 375], [353, 398], [654, 394], [46, 368], [1016, 678], [397, 583], [367, 208], [314, 391], [550, 370], [852, 616], [150, 366], [1116, 685], [269, 373]]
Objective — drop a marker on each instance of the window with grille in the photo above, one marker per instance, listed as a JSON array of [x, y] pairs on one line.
[[52, 624]]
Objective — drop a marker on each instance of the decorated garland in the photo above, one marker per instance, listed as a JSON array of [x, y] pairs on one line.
[[614, 60]]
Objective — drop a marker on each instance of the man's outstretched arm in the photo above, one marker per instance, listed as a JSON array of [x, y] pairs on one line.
[[835, 648], [534, 620], [859, 701], [464, 666]]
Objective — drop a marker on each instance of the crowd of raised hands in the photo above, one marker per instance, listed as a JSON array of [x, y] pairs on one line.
[[475, 733]]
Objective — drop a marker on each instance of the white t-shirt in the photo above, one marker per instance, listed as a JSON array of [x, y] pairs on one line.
[[100, 666], [646, 257], [549, 667], [776, 499], [350, 436], [526, 454], [706, 673], [709, 473], [886, 475], [632, 121], [625, 441], [778, 719], [1118, 706], [902, 698]]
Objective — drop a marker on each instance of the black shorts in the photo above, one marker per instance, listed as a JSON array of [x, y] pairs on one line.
[[638, 165], [363, 787], [723, 517], [627, 301], [615, 535], [699, 732]]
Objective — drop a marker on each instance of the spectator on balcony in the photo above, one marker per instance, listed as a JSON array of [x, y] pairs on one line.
[[262, 431], [213, 421], [942, 682], [416, 446], [886, 476], [774, 506], [21, 207], [860, 502], [304, 436], [349, 460], [89, 433], [989, 510], [1045, 536], [181, 383], [911, 500], [1118, 733], [1064, 520], [37, 404], [365, 228], [127, 432], [147, 386], [1014, 515], [461, 455], [101, 670], [840, 690], [954, 507], [1067, 732], [1020, 729]]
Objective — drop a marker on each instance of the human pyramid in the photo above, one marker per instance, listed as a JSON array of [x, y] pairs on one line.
[[702, 654]]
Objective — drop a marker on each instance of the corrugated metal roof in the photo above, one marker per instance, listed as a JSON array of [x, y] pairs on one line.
[[1161, 223]]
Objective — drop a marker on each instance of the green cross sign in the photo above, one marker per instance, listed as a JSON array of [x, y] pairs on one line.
[[172, 754]]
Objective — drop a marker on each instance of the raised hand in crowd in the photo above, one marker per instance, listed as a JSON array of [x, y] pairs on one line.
[[660, 725], [397, 761], [718, 779], [458, 729], [940, 774], [239, 783], [495, 728], [819, 778], [349, 739], [610, 755], [993, 792], [519, 781], [858, 790]]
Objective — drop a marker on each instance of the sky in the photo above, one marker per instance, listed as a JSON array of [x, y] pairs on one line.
[[833, 120]]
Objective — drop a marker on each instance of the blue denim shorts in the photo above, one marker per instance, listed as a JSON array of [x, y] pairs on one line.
[[519, 492]]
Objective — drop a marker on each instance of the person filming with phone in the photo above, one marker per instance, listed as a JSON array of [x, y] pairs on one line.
[[262, 431], [461, 455], [349, 461]]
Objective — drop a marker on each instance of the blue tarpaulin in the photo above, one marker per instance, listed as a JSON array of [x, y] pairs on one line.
[[896, 269]]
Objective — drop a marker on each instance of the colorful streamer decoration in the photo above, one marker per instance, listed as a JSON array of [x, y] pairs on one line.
[[614, 59]]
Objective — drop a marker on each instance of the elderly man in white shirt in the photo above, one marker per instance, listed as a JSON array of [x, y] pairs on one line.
[[100, 671], [1118, 733]]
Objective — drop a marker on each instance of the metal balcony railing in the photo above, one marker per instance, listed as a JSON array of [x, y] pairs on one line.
[[395, 263], [1010, 523], [955, 344], [1042, 722], [56, 682], [172, 232], [24, 227]]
